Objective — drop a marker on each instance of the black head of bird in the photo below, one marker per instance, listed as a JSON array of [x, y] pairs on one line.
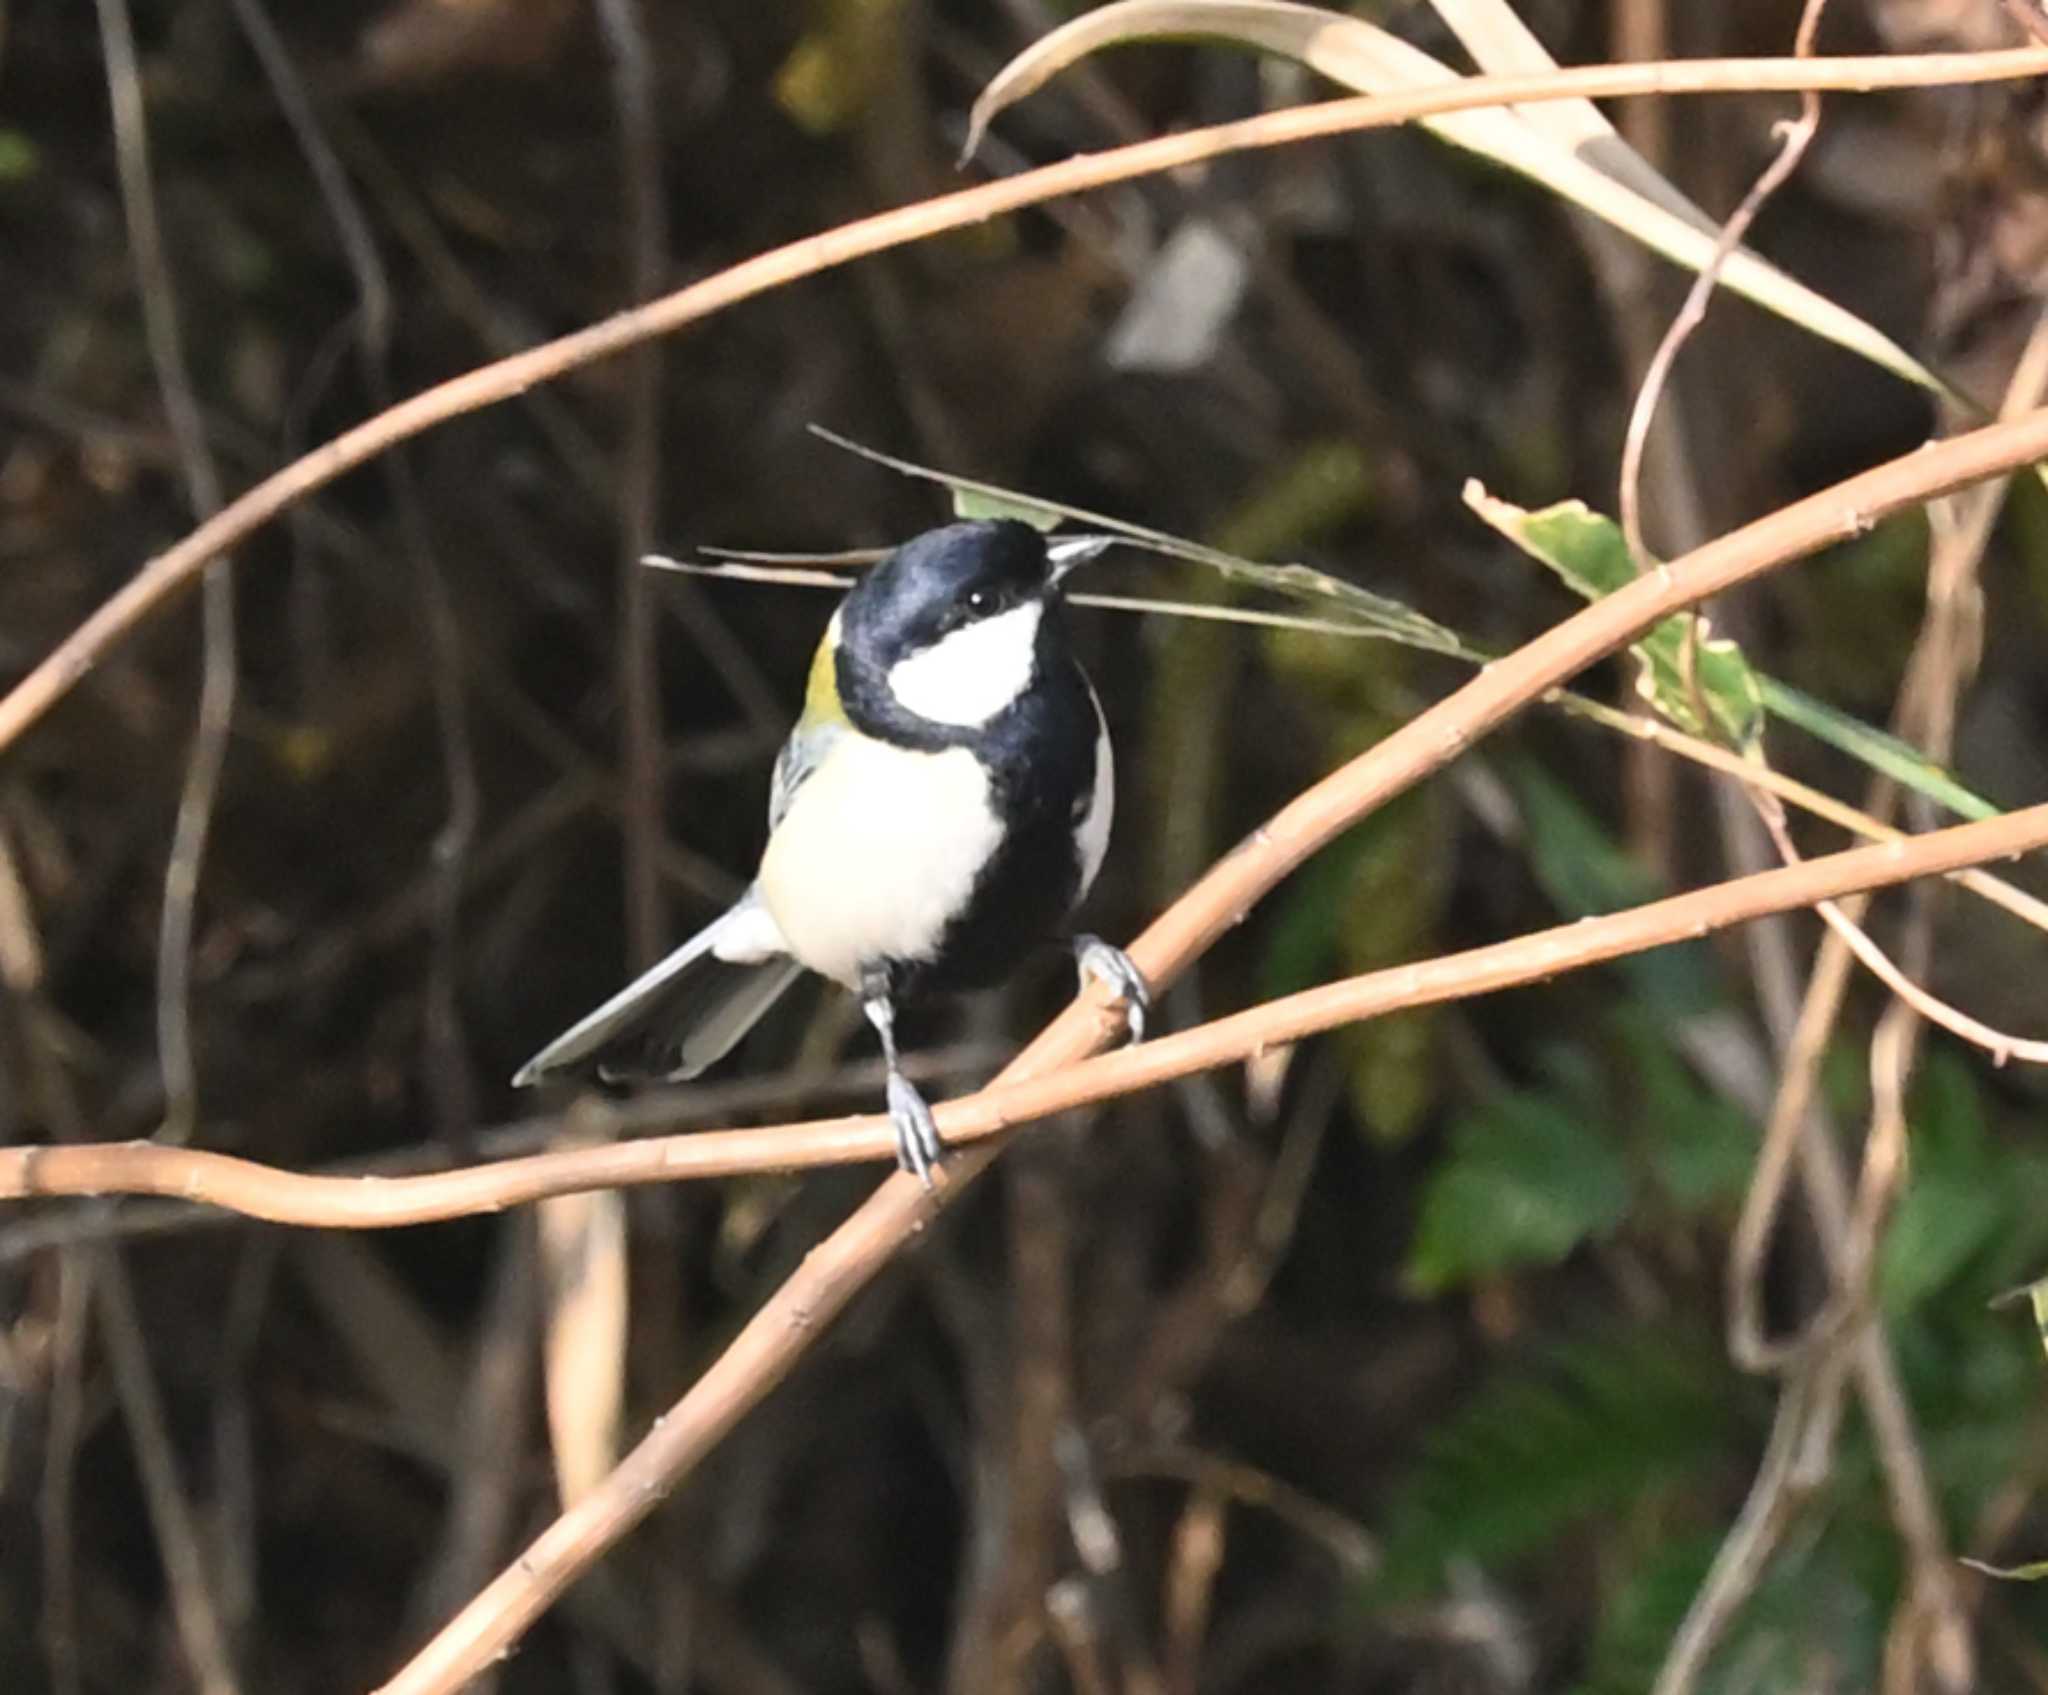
[[941, 582], [954, 626]]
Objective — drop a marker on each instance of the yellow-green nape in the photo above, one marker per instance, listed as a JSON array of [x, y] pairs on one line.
[[822, 704]]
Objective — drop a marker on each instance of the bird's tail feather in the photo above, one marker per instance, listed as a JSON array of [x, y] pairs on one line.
[[684, 1014]]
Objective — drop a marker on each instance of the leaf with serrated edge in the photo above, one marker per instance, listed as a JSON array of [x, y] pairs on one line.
[[1588, 552], [1598, 563]]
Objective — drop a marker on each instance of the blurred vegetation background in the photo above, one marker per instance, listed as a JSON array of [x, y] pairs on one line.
[[1395, 1364]]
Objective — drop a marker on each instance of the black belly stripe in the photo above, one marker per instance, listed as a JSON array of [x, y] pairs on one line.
[[1040, 755]]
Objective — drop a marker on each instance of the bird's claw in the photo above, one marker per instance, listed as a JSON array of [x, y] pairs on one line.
[[918, 1148], [1112, 966]]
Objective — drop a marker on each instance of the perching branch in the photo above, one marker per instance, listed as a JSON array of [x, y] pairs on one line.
[[370, 1203]]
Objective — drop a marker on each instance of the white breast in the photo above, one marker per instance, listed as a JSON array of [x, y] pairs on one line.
[[878, 852], [1091, 833]]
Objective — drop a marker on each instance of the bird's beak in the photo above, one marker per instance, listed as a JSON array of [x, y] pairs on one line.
[[1063, 553]]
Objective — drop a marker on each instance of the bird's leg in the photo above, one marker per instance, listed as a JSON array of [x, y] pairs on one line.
[[1111, 965], [918, 1148]]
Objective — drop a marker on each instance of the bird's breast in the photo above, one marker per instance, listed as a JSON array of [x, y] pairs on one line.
[[880, 850]]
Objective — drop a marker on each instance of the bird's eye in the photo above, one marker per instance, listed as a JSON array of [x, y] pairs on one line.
[[980, 600]]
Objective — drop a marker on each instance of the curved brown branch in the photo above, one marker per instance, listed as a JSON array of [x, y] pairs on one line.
[[775, 1338], [177, 568], [285, 1197]]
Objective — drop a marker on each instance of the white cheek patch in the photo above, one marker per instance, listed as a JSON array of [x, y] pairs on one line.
[[878, 852], [970, 674]]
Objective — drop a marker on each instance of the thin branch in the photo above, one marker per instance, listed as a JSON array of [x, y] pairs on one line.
[[1794, 1465], [1192, 1566], [2002, 1048], [1931, 1639], [2029, 909], [1343, 1538], [1785, 1130], [163, 1491], [368, 1203], [2029, 16], [448, 1077], [1070, 1617], [640, 761], [1937, 1640], [670, 1110], [175, 569], [203, 488], [64, 1429], [1797, 137]]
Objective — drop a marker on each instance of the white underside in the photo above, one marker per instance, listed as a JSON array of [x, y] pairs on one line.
[[878, 852]]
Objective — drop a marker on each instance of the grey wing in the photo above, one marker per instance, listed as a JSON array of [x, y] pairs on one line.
[[801, 755], [686, 1013]]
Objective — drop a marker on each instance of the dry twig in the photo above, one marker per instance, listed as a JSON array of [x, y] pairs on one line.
[[203, 488], [640, 762]]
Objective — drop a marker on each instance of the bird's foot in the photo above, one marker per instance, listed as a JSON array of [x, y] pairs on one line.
[[918, 1148], [1112, 966]]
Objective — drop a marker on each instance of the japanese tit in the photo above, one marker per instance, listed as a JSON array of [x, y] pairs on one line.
[[941, 807]]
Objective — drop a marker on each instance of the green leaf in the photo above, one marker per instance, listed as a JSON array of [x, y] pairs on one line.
[[980, 503], [1697, 681], [20, 158], [1390, 914], [1809, 1608], [2035, 1294], [1385, 908], [1638, 1620], [2036, 1572], [1586, 873], [1344, 607], [1878, 749], [1301, 940], [1579, 864], [1944, 1218], [1701, 1147], [1528, 1178], [1589, 553], [1598, 1424], [1954, 1202], [838, 64]]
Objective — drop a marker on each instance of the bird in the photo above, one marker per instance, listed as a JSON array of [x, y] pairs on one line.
[[941, 807]]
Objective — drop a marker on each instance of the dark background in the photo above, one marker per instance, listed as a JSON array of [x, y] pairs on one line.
[[1415, 1337]]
